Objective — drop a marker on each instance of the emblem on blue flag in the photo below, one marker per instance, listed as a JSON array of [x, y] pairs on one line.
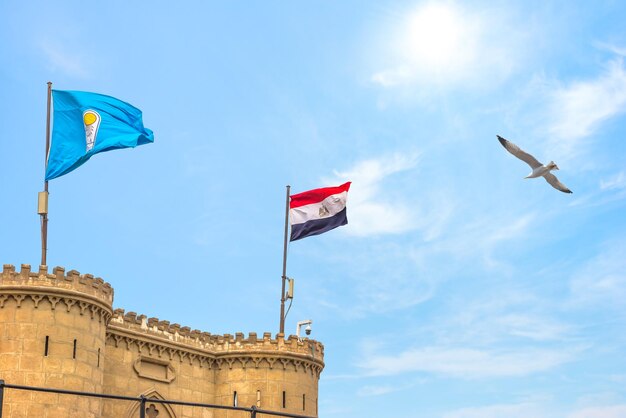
[[91, 119], [85, 124]]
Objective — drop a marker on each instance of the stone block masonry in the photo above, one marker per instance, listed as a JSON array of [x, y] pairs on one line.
[[59, 330]]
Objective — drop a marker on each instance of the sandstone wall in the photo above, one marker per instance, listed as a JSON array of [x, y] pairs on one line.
[[52, 333], [142, 360], [58, 330], [156, 358]]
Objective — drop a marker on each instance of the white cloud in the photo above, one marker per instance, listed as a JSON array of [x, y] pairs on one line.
[[394, 76], [374, 287], [578, 110], [442, 45], [478, 239], [468, 363], [618, 378], [609, 190], [520, 410], [537, 408], [395, 292], [602, 280], [617, 50], [367, 391], [372, 210], [507, 231], [618, 182], [59, 59], [508, 333], [612, 411], [509, 315], [531, 326], [501, 317]]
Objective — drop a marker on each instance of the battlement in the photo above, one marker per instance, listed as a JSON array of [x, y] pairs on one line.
[[216, 344], [58, 279], [61, 328]]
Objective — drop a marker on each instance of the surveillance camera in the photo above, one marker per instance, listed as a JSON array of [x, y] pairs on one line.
[[307, 330]]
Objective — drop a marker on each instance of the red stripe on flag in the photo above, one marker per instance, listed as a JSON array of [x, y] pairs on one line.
[[316, 195]]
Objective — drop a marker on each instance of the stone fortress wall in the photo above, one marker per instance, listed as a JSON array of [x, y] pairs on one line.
[[59, 330]]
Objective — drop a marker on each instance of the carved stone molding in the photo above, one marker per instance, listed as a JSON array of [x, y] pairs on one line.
[[154, 369], [83, 305], [165, 353]]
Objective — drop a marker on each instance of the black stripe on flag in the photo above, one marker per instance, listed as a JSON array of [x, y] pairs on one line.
[[318, 226]]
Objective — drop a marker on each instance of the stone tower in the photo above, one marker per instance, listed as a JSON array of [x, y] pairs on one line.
[[52, 334], [279, 375]]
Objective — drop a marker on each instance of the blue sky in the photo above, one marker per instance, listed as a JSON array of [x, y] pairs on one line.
[[457, 290]]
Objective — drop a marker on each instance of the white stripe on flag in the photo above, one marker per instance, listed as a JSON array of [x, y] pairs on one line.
[[328, 207]]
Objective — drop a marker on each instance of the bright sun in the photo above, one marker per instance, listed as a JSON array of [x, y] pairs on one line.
[[434, 36]]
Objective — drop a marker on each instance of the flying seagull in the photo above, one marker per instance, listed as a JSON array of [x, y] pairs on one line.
[[539, 170]]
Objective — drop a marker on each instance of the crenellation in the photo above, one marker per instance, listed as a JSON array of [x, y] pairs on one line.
[[131, 317], [86, 279], [197, 339], [107, 289], [293, 341], [58, 272], [280, 340], [8, 269], [25, 271], [72, 275], [70, 285]]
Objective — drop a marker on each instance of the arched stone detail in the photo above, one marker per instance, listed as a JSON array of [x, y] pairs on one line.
[[165, 409], [36, 299], [54, 300], [19, 299]]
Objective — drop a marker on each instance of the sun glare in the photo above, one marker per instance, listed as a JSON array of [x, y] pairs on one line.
[[433, 36]]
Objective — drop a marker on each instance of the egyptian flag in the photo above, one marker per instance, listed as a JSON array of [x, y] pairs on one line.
[[318, 211]]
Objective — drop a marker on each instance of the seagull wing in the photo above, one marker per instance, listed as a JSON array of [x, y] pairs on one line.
[[517, 151], [554, 182]]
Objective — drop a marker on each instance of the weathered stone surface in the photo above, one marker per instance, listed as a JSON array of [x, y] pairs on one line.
[[59, 330]]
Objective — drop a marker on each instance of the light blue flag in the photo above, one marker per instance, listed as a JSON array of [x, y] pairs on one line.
[[88, 123]]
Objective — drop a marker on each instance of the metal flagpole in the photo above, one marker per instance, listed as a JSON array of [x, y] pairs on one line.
[[282, 293], [43, 196]]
